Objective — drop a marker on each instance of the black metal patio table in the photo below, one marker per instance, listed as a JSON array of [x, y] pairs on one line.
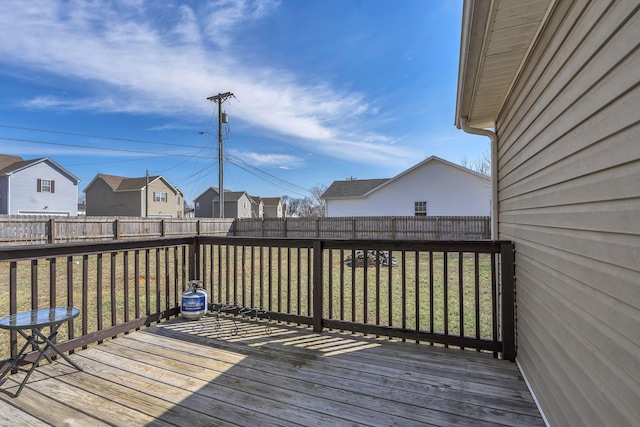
[[35, 321]]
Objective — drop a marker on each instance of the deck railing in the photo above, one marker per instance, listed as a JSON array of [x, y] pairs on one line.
[[450, 293]]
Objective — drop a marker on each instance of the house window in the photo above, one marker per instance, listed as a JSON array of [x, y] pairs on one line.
[[46, 186], [197, 205], [159, 196], [420, 208]]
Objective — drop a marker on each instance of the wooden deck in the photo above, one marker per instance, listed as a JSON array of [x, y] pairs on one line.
[[187, 373]]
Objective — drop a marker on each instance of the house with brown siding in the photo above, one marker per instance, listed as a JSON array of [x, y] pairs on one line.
[[555, 86], [153, 196]]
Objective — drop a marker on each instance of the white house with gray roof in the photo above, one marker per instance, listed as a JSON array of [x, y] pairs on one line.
[[36, 187], [433, 187]]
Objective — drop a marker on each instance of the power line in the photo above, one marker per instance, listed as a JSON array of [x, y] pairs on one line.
[[123, 150], [269, 178], [96, 136], [277, 133]]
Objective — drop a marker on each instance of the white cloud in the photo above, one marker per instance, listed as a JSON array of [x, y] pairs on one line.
[[284, 161], [223, 16], [157, 58]]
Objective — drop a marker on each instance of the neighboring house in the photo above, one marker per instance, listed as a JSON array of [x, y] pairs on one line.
[[203, 204], [237, 204], [433, 187], [153, 196], [189, 213], [272, 207], [557, 84], [257, 207], [36, 187]]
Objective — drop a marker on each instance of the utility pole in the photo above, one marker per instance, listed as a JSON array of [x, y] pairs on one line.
[[220, 98], [146, 194]]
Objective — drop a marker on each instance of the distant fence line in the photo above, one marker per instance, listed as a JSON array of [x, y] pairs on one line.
[[21, 230], [369, 227]]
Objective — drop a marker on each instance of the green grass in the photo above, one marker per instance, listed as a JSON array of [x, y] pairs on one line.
[[402, 300]]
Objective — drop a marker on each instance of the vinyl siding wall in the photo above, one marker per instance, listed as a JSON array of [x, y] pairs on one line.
[[569, 197], [166, 209], [103, 201], [204, 207], [24, 196]]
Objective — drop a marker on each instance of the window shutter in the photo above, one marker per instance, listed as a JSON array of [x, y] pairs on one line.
[[53, 188], [39, 187]]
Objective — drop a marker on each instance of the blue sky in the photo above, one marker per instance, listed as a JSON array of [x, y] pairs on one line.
[[323, 90]]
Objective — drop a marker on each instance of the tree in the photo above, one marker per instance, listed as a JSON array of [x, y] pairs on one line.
[[313, 207], [481, 165]]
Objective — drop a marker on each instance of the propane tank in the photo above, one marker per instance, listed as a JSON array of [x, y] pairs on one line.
[[195, 301]]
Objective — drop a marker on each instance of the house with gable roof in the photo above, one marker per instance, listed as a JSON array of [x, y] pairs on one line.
[[272, 207], [237, 204], [153, 196], [36, 187], [433, 187]]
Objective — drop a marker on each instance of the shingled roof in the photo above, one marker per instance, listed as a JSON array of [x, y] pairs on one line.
[[121, 183], [232, 196], [9, 164], [7, 161], [352, 188]]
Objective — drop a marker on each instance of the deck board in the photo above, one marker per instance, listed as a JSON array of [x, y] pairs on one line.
[[191, 373]]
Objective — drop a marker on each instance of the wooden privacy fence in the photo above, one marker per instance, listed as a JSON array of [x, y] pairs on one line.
[[368, 227], [29, 230]]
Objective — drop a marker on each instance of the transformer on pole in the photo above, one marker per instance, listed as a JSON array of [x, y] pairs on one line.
[[222, 118]]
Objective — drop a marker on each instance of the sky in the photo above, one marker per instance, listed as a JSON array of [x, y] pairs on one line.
[[323, 90]]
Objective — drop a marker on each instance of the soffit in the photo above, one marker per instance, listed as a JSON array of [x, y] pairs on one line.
[[497, 37]]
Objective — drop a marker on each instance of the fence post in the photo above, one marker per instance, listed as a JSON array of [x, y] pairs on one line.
[[52, 231], [393, 227], [487, 227], [284, 226], [508, 301], [162, 228], [353, 227], [116, 228], [317, 286]]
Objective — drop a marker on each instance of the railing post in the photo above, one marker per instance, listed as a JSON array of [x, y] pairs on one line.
[[508, 301], [194, 259], [317, 286]]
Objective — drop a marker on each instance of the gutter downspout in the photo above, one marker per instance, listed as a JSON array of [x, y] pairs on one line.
[[464, 125]]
